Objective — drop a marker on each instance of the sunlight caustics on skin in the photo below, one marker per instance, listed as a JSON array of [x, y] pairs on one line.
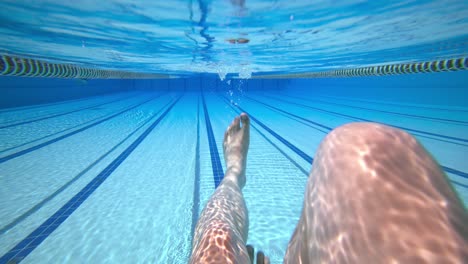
[[221, 231], [375, 195]]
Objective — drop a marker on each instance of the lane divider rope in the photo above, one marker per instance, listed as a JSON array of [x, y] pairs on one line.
[[16, 66], [33, 240], [443, 65]]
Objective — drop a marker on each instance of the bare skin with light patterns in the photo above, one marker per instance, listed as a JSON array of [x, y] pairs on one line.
[[221, 231], [374, 195]]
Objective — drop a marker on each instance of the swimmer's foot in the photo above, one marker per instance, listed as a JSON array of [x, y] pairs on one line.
[[261, 258], [251, 252], [236, 146]]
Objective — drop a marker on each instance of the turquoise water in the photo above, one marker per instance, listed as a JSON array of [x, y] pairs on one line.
[[186, 37], [118, 171], [73, 160]]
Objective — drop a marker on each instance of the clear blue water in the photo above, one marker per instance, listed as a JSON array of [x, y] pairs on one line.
[[117, 171], [184, 37], [145, 209]]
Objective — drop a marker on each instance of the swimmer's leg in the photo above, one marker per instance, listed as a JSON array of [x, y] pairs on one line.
[[221, 231], [374, 195]]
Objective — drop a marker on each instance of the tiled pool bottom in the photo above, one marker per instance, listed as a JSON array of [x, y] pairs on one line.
[[123, 177]]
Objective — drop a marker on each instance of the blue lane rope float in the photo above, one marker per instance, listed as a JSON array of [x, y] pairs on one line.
[[15, 66], [456, 64]]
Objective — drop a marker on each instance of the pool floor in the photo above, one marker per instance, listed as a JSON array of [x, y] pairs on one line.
[[123, 177]]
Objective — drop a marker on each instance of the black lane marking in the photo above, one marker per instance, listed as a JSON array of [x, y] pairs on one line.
[[337, 114], [356, 119], [196, 185], [436, 119], [291, 114], [310, 159], [274, 145], [299, 152], [39, 205], [44, 144], [56, 133], [218, 173], [21, 108], [399, 105], [61, 114], [368, 120], [27, 245]]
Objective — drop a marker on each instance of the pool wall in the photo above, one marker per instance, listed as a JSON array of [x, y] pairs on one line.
[[444, 88]]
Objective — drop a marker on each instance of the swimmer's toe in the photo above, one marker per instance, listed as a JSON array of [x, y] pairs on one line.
[[245, 120], [251, 252], [235, 125], [260, 258]]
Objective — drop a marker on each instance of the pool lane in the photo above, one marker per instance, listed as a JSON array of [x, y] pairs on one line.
[[407, 115], [38, 132], [64, 187], [218, 172], [275, 185], [95, 106], [196, 179], [447, 152], [45, 105], [34, 177], [148, 205], [47, 227], [141, 213], [413, 126], [457, 174], [425, 107], [420, 133], [45, 144], [9, 116], [455, 115]]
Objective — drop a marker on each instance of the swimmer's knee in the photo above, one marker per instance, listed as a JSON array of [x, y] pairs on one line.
[[366, 151], [371, 182], [358, 134], [370, 142]]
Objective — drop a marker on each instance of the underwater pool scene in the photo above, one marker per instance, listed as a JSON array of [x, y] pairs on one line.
[[112, 113]]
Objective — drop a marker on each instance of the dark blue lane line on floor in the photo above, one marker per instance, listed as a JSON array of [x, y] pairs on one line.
[[295, 117], [447, 169], [299, 152], [27, 245], [400, 127], [454, 171], [274, 145], [327, 111], [196, 184], [22, 108], [357, 119], [61, 114], [25, 151], [298, 119], [39, 205], [437, 119], [309, 159], [399, 105], [218, 173], [56, 133], [291, 114], [377, 110], [458, 183]]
